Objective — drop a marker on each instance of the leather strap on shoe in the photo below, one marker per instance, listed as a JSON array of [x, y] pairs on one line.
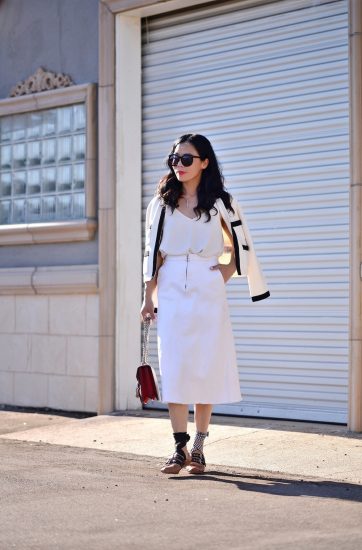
[[177, 458], [198, 458]]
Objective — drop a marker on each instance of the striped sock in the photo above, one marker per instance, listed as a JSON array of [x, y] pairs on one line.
[[198, 444]]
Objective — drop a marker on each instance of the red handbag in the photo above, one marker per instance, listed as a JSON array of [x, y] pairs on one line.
[[147, 386]]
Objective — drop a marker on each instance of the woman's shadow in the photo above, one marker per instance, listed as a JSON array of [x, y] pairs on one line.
[[270, 484]]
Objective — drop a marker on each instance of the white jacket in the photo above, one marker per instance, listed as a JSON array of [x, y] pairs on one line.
[[247, 264]]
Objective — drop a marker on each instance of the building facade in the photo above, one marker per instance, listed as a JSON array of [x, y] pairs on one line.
[[276, 86]]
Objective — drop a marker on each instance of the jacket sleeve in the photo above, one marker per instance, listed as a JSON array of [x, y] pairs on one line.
[[257, 285], [146, 253]]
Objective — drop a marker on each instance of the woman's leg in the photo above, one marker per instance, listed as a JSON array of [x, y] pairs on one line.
[[202, 417], [202, 420], [179, 416]]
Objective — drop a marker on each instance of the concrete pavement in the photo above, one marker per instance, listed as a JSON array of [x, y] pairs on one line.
[[55, 497], [306, 450]]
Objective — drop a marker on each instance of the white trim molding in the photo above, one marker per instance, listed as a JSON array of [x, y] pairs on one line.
[[68, 279], [128, 207], [355, 368], [48, 232]]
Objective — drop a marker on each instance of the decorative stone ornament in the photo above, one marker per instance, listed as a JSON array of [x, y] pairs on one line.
[[41, 81]]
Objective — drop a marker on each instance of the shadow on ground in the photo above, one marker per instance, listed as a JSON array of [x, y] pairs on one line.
[[281, 486]]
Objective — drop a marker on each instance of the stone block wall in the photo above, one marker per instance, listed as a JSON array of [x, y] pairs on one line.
[[49, 351]]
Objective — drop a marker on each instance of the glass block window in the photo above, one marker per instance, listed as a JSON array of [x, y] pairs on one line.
[[42, 165]]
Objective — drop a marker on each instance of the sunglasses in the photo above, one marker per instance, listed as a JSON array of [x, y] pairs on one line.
[[186, 160]]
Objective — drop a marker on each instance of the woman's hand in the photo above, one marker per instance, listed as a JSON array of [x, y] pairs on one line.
[[227, 270], [147, 309]]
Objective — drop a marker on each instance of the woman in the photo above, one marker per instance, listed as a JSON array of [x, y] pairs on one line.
[[184, 240]]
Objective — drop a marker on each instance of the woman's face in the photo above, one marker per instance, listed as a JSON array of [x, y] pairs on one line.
[[189, 173]]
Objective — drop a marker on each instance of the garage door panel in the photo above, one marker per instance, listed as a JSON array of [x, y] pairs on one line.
[[236, 116], [256, 370], [256, 84], [275, 27], [235, 61], [255, 87], [293, 130]]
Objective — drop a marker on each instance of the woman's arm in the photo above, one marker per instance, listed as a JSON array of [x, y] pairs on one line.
[[148, 290]]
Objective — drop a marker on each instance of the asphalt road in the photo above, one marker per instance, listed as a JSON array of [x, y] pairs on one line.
[[57, 497]]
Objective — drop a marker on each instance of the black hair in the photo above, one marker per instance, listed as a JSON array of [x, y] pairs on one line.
[[211, 186]]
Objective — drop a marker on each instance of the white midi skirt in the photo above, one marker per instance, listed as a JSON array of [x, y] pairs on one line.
[[196, 347]]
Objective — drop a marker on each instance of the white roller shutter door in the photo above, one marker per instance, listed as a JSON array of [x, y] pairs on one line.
[[268, 85]]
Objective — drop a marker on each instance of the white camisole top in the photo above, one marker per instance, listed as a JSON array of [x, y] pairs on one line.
[[184, 235]]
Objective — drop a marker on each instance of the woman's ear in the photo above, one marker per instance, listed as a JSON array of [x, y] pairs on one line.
[[205, 164]]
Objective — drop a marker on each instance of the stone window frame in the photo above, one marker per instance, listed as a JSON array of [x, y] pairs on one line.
[[63, 230]]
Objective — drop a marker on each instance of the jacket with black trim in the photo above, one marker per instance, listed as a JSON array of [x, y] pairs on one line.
[[247, 264]]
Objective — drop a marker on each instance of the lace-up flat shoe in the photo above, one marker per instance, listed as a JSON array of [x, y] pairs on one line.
[[176, 462]]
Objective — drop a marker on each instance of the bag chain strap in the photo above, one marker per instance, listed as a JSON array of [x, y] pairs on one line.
[[146, 337]]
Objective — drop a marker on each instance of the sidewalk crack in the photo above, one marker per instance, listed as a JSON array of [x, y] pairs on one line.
[[229, 437]]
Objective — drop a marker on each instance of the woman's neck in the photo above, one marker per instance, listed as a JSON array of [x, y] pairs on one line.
[[189, 190]]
